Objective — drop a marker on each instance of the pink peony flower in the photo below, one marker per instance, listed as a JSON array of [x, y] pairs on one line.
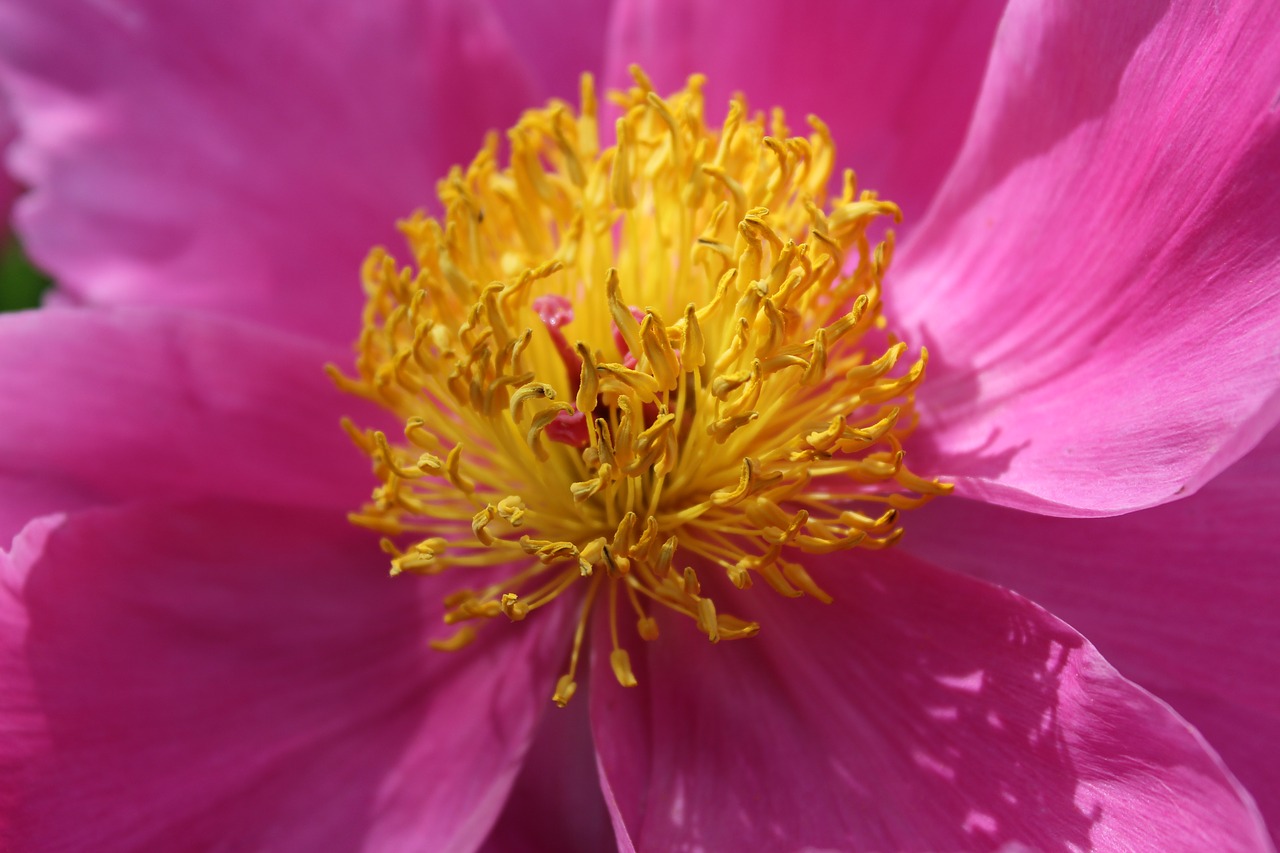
[[199, 651]]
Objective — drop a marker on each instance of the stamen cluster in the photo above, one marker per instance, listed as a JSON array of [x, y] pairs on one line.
[[614, 363]]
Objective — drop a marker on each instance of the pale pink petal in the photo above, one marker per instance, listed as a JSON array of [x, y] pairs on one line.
[[555, 803], [103, 405], [896, 89], [921, 711], [242, 157], [1097, 279], [230, 675], [557, 42], [1181, 598]]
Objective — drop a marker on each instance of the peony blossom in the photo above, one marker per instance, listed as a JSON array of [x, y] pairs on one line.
[[1074, 650]]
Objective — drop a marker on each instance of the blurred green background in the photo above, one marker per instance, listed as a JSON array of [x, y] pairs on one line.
[[21, 284]]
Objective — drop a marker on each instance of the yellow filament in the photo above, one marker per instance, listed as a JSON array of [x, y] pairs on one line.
[[606, 358]]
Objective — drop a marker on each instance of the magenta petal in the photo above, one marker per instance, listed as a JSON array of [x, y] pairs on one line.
[[922, 711], [555, 803], [242, 157], [897, 90], [9, 189], [222, 675], [557, 42], [1181, 598], [1096, 280], [106, 405]]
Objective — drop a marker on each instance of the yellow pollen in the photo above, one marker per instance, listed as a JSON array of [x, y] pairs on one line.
[[620, 367]]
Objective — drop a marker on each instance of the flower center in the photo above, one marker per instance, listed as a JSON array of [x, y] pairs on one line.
[[611, 363]]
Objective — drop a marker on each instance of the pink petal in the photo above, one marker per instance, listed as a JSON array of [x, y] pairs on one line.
[[1181, 598], [897, 90], [557, 42], [107, 405], [22, 727], [230, 675], [922, 711], [555, 803], [9, 189], [1097, 278], [242, 158]]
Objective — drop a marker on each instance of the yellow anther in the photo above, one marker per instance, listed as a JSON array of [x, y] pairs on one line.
[[616, 379], [867, 373], [592, 552], [565, 688], [479, 523], [573, 166], [779, 536], [750, 396], [651, 443], [615, 563], [557, 552], [889, 389], [737, 345], [620, 186], [422, 557], [416, 432], [726, 383], [622, 535], [731, 184], [657, 349], [362, 439], [795, 573], [692, 347], [512, 509], [429, 463], [472, 609], [455, 641], [817, 368], [642, 79], [823, 440], [532, 391], [587, 135], [862, 210], [740, 573], [453, 470], [585, 490], [621, 663], [871, 525], [647, 538], [513, 608], [589, 385], [733, 628], [855, 440], [751, 481], [647, 628], [721, 429], [621, 314], [818, 545], [707, 621], [389, 459], [541, 421], [604, 449], [677, 140]]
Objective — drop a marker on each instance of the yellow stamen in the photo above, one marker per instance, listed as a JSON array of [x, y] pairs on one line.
[[561, 435]]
